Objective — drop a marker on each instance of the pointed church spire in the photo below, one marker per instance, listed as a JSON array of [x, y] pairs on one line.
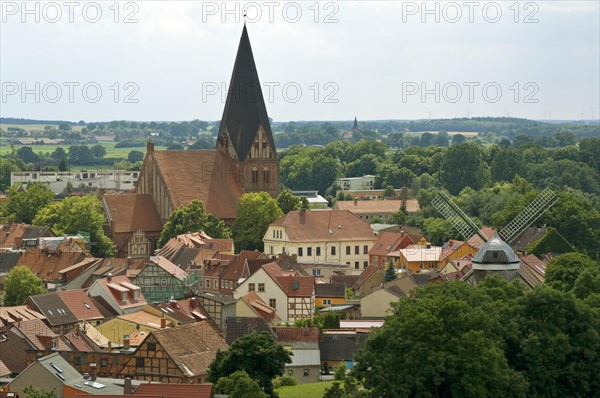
[[245, 112], [355, 127]]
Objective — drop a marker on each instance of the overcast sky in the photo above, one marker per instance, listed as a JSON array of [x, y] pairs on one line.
[[158, 60]]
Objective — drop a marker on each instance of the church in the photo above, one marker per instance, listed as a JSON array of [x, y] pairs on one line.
[[244, 160]]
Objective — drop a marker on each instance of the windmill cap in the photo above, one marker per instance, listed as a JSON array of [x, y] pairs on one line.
[[496, 251]]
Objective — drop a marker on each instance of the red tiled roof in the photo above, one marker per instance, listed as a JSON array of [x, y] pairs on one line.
[[297, 286], [114, 288], [389, 241], [326, 225], [236, 267], [174, 390], [80, 304], [310, 335], [476, 241], [450, 247], [78, 342], [365, 275], [204, 175], [132, 212], [46, 263], [35, 331]]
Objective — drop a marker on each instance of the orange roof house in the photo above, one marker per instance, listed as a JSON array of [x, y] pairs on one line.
[[119, 293]]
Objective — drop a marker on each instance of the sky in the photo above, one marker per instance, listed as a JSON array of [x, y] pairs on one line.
[[326, 60]]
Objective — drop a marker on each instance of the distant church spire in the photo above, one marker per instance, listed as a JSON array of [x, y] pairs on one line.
[[245, 111], [355, 127]]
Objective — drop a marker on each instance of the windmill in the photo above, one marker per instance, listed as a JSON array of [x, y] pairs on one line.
[[495, 256]]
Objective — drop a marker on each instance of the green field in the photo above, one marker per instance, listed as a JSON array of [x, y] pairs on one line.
[[111, 151], [313, 390]]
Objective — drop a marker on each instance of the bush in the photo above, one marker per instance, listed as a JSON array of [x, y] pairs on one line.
[[340, 371], [285, 380]]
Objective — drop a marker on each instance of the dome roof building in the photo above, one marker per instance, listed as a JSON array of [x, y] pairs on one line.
[[496, 257]]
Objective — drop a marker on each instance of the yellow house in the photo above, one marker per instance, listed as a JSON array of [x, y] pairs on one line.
[[322, 236], [455, 249], [327, 294], [419, 258]]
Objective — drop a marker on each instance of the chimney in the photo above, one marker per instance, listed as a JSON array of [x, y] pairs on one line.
[[127, 387], [163, 323], [93, 373], [126, 342], [109, 277], [192, 303], [109, 346]]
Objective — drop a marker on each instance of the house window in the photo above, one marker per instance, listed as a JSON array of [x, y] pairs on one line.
[[375, 260], [357, 249], [151, 346], [305, 372], [274, 234], [365, 249], [431, 265], [216, 284], [365, 264], [318, 251], [207, 283], [222, 284], [292, 306], [347, 250], [254, 175], [273, 303], [139, 362], [265, 175], [356, 265], [316, 272], [104, 362], [261, 287], [290, 372], [309, 251], [421, 265], [163, 282], [300, 252], [251, 287], [146, 281], [326, 301], [333, 250]]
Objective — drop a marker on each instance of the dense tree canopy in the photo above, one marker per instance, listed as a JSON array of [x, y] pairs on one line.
[[563, 271], [19, 284], [78, 214], [23, 204], [485, 341], [255, 212], [193, 218], [258, 354]]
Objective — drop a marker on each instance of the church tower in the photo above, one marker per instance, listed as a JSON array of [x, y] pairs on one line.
[[245, 135]]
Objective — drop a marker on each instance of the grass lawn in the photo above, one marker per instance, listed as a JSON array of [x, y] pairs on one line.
[[313, 390], [111, 151]]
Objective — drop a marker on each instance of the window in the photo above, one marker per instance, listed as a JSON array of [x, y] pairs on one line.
[[431, 265], [365, 249], [356, 265], [273, 303], [151, 346], [139, 362], [290, 372], [309, 251], [222, 284], [207, 283], [300, 252], [347, 250], [292, 306], [365, 264], [103, 362], [274, 234], [254, 175], [326, 302], [261, 287], [146, 281], [306, 372], [318, 251], [251, 287], [356, 249], [265, 175], [375, 260], [421, 265], [163, 282], [316, 272], [216, 284], [333, 250]]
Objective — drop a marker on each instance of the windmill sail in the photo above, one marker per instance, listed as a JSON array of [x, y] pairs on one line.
[[459, 220], [532, 212]]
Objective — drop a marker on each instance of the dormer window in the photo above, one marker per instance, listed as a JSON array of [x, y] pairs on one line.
[[124, 297], [136, 294], [54, 343]]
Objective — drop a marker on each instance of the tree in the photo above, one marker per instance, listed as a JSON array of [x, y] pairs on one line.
[[239, 385], [390, 272], [255, 212], [7, 166], [287, 201], [59, 154], [27, 155], [78, 214], [193, 218], [258, 354], [62, 165], [135, 156], [463, 166], [451, 336], [563, 271], [98, 151], [23, 205], [19, 284]]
